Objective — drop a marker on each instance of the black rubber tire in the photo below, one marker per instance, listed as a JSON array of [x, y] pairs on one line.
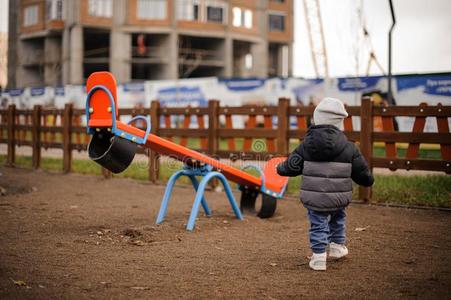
[[111, 152], [269, 206], [248, 199]]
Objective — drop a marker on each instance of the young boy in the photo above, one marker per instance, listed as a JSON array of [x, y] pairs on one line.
[[328, 162]]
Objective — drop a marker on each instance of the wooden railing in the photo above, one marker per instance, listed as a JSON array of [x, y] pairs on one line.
[[267, 132]]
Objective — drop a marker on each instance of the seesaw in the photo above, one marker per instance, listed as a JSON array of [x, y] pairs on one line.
[[114, 143]]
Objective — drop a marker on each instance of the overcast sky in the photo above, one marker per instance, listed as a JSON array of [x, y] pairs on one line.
[[3, 15], [421, 39]]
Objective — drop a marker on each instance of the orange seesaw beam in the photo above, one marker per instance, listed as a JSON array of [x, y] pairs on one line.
[[181, 153]]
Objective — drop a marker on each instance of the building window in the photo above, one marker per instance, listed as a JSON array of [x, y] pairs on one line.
[[54, 9], [242, 17], [285, 60], [237, 17], [248, 61], [215, 14], [212, 11], [216, 11], [276, 22], [31, 15], [151, 9], [188, 10], [248, 18], [100, 8]]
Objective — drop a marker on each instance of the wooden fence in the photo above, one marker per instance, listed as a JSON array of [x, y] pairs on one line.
[[268, 131]]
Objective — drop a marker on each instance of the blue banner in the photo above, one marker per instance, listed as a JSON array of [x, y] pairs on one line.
[[133, 87], [358, 83], [239, 85], [59, 91], [431, 84], [15, 92], [37, 91], [182, 95]]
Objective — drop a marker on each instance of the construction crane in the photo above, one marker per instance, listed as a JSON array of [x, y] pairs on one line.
[[316, 37], [368, 43], [372, 58]]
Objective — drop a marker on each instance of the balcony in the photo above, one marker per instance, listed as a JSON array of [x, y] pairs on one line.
[[33, 58], [149, 55]]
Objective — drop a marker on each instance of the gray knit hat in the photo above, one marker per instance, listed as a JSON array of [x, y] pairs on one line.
[[330, 111]]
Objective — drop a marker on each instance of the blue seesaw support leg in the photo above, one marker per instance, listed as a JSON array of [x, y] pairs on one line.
[[168, 192], [203, 202], [200, 193]]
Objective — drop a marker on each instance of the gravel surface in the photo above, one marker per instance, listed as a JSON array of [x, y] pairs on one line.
[[74, 236]]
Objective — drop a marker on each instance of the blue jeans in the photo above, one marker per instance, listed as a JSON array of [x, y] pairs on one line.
[[326, 227]]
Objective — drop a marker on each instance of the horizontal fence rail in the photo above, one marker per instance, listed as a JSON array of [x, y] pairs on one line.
[[264, 132]]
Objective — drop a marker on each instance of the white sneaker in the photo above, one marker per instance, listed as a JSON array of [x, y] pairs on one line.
[[337, 250], [318, 261]]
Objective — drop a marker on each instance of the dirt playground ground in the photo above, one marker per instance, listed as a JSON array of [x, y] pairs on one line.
[[77, 236]]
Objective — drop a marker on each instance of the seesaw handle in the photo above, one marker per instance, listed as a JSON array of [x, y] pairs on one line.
[[148, 127], [112, 105]]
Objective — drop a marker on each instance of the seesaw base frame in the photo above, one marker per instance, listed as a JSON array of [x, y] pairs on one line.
[[207, 174]]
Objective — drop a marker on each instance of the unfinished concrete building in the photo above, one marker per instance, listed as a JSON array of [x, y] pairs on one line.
[[61, 42], [3, 59]]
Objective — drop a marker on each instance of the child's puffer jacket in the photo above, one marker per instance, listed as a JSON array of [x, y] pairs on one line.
[[328, 162]]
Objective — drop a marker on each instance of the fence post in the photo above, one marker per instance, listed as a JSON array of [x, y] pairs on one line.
[[67, 138], [154, 160], [213, 125], [366, 141], [11, 158], [283, 126], [36, 137]]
